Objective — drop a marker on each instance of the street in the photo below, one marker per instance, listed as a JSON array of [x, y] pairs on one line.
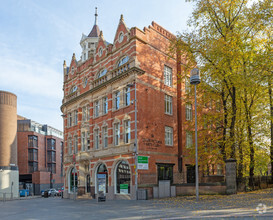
[[253, 205]]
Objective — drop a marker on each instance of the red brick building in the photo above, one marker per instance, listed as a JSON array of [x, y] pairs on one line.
[[122, 99], [40, 155]]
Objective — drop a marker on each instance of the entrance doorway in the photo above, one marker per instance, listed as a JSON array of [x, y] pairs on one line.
[[102, 179], [88, 188], [73, 180], [123, 178], [190, 173]]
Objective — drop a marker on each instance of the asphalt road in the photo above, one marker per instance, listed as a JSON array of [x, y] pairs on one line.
[[254, 205]]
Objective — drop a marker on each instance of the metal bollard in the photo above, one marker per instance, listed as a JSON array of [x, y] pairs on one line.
[[4, 197]]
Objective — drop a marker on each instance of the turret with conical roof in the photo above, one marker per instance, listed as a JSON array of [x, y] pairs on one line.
[[89, 43]]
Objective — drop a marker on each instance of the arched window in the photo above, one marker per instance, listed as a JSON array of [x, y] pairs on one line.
[[100, 51], [73, 89], [85, 81], [120, 37], [73, 181], [123, 61], [123, 178], [102, 73], [102, 178]]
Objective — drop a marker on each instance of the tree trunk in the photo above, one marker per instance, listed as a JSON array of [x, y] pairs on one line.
[[271, 123], [241, 158], [232, 124], [223, 149], [249, 137]]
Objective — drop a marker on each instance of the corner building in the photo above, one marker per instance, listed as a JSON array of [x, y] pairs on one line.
[[102, 90]]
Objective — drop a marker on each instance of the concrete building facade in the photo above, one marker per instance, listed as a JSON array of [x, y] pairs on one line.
[[9, 175], [40, 155]]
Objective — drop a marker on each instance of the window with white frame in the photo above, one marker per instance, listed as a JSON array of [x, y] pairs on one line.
[[97, 108], [168, 104], [127, 132], [83, 142], [105, 105], [69, 146], [123, 61], [188, 112], [117, 100], [88, 140], [85, 80], [120, 37], [96, 138], [188, 139], [76, 117], [116, 134], [168, 136], [187, 85], [102, 73], [105, 137], [127, 96], [87, 112], [168, 76], [84, 116], [69, 123], [76, 144]]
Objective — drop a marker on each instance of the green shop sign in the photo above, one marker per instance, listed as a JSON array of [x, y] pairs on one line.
[[123, 188]]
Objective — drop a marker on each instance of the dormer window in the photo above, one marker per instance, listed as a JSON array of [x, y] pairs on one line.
[[100, 52], [85, 82], [102, 73], [72, 70], [123, 61], [120, 37], [74, 89]]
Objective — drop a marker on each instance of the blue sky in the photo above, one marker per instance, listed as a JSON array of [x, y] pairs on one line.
[[37, 36]]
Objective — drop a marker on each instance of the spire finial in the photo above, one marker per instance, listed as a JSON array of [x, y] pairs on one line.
[[96, 16]]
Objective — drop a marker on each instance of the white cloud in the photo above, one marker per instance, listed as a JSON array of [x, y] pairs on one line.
[[31, 77]]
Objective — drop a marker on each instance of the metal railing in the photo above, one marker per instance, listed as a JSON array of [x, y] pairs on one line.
[[6, 196], [254, 183]]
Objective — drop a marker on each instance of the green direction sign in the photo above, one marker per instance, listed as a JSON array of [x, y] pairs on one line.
[[142, 163]]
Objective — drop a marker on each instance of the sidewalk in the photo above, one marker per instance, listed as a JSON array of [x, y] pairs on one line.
[[253, 205]]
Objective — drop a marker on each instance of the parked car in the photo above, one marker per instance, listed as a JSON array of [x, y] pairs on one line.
[[51, 192]]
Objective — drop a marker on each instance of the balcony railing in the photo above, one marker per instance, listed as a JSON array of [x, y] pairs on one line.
[[72, 95]]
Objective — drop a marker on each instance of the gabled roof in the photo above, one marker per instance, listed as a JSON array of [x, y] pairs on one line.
[[95, 31]]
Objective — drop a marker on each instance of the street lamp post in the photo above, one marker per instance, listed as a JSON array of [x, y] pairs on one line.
[[74, 177], [135, 144], [195, 80]]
